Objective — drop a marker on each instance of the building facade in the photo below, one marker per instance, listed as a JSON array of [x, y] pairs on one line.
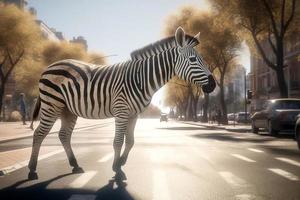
[[80, 40], [264, 80]]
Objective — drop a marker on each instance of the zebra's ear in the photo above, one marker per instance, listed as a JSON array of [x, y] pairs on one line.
[[180, 36], [197, 37]]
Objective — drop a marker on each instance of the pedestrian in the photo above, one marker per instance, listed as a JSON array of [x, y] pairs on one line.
[[219, 117], [23, 108], [32, 110]]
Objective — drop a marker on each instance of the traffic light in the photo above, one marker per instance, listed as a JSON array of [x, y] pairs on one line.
[[249, 94]]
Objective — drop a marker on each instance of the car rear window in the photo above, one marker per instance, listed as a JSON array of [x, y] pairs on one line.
[[287, 105]]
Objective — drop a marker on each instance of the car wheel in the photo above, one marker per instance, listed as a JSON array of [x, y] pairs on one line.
[[298, 136], [254, 128], [271, 130]]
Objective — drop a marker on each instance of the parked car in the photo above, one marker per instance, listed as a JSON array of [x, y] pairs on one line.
[[242, 117], [297, 130], [163, 117], [278, 115], [231, 116]]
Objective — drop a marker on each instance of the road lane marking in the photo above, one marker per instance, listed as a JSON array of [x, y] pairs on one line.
[[82, 197], [292, 162], [83, 179], [24, 163], [245, 197], [285, 174], [237, 184], [255, 150], [106, 158], [160, 186], [233, 180], [243, 158]]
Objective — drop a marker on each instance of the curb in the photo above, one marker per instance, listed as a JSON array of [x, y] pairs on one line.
[[221, 128]]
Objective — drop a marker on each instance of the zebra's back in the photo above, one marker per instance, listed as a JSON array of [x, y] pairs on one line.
[[87, 90]]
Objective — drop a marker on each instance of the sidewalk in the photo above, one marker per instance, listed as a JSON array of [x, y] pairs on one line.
[[16, 130], [230, 127]]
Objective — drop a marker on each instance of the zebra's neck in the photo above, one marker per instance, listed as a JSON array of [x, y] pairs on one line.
[[156, 71]]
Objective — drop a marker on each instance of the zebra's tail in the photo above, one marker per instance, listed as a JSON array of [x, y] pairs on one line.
[[35, 111]]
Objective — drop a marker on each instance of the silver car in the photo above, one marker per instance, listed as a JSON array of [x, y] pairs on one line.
[[278, 115], [297, 131]]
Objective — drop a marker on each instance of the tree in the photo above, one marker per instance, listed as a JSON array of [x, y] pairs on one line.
[[221, 50], [267, 24], [56, 51], [19, 38], [218, 44], [52, 52], [176, 95], [97, 58]]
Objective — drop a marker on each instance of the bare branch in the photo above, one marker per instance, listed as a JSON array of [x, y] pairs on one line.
[[269, 10], [262, 52], [282, 17], [286, 25], [271, 43], [1, 68], [13, 64]]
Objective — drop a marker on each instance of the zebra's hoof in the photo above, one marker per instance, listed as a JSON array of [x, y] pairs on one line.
[[32, 176], [77, 170]]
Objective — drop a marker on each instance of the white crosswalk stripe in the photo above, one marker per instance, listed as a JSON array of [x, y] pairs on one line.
[[238, 184], [83, 179], [106, 158], [243, 158], [160, 186], [255, 150], [292, 162], [233, 180], [284, 174]]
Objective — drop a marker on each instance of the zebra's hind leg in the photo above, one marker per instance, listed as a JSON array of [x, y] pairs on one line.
[[46, 123], [68, 121], [129, 142], [121, 128]]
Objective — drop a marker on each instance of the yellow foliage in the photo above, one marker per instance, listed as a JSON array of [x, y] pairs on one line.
[[55, 51]]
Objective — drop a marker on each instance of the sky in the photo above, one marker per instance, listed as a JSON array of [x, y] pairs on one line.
[[114, 27]]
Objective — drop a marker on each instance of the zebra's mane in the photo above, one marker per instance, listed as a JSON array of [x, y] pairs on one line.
[[160, 46]]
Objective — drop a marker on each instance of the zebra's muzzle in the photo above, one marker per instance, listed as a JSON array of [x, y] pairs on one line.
[[210, 86]]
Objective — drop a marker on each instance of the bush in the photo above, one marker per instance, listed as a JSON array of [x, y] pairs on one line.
[[15, 116]]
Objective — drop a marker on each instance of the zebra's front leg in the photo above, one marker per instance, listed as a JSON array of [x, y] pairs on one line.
[[121, 128], [129, 142]]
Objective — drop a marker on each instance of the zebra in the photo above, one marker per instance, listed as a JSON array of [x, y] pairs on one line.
[[69, 89]]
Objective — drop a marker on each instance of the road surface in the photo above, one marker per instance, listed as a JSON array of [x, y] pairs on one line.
[[172, 160]]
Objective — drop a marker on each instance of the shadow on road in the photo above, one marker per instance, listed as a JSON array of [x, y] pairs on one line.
[[224, 137], [40, 191], [185, 128]]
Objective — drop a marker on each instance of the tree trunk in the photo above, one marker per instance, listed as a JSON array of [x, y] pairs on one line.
[[205, 107], [280, 72], [1, 96], [1, 103], [224, 119]]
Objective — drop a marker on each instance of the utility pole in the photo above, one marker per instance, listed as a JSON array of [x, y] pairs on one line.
[[245, 95]]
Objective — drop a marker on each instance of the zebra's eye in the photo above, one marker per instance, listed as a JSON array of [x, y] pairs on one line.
[[193, 59]]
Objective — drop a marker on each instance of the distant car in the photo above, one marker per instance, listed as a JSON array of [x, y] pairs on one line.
[[231, 116], [297, 130], [278, 115], [163, 117], [242, 117]]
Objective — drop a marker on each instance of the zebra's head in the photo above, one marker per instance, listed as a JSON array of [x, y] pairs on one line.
[[189, 65]]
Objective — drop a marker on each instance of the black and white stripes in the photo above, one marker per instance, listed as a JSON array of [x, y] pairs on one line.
[[72, 88]]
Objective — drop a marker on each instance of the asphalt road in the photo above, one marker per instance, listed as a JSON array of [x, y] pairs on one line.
[[170, 160]]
